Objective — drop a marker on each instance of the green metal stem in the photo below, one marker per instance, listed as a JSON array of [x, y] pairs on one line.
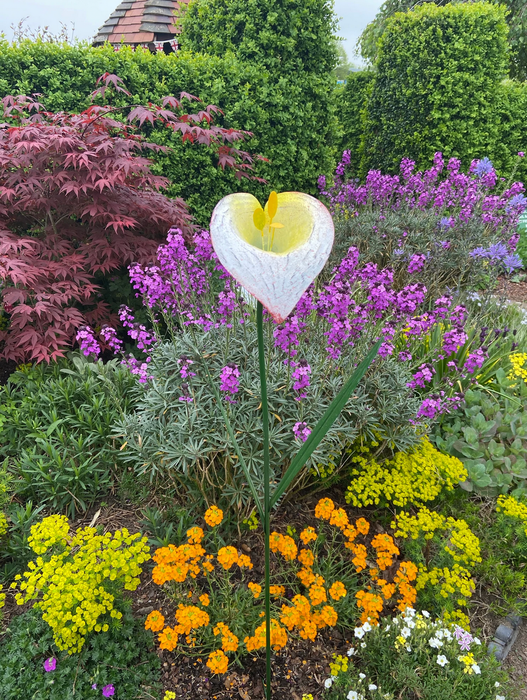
[[267, 499]]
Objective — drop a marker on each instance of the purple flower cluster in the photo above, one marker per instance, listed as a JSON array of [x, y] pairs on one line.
[[500, 254], [87, 342], [230, 382], [300, 376], [437, 404], [301, 431], [136, 331], [109, 335], [417, 263], [138, 368]]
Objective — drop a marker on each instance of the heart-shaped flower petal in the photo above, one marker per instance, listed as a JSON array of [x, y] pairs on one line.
[[274, 253]]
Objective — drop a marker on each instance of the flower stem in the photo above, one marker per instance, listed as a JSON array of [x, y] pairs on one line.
[[267, 499]]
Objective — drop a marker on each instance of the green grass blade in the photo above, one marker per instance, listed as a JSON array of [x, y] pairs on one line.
[[324, 424]]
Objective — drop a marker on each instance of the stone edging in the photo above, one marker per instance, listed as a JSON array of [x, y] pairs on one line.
[[504, 637]]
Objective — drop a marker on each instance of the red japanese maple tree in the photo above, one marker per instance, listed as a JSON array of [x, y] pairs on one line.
[[77, 196]]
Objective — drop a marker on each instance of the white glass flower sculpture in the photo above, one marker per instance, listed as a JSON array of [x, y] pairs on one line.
[[276, 252]]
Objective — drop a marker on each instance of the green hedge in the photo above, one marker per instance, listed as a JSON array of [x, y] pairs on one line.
[[292, 118], [351, 103], [438, 87]]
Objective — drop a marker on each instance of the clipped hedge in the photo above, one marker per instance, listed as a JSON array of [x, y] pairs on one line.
[[351, 103], [291, 117], [437, 87]]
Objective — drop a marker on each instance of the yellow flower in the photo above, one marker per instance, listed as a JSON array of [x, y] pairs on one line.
[[275, 252]]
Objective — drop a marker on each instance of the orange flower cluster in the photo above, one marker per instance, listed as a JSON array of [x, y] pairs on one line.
[[218, 662], [407, 572], [227, 556], [301, 615], [204, 600], [175, 563], [386, 550], [229, 641], [195, 535], [255, 588], [213, 516], [338, 590], [257, 641], [277, 591], [155, 621], [371, 605], [308, 535], [283, 544], [190, 618]]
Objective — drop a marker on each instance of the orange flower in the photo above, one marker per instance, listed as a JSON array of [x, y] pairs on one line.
[[155, 621], [204, 600], [257, 641], [229, 641], [308, 630], [306, 576], [244, 562], [317, 595], [329, 615], [275, 540], [227, 556], [360, 556], [306, 557], [168, 639], [277, 591], [339, 518], [371, 604], [195, 534], [308, 535], [218, 662], [191, 617], [213, 516], [207, 565], [324, 508], [338, 590], [255, 588], [363, 526]]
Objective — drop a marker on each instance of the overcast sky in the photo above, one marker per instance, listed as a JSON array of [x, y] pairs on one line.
[[88, 15]]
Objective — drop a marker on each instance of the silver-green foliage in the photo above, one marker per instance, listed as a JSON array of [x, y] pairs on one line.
[[187, 443]]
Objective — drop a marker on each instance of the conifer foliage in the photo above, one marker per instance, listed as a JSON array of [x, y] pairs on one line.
[[78, 198]]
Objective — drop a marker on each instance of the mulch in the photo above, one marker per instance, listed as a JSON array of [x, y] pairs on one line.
[[514, 291]]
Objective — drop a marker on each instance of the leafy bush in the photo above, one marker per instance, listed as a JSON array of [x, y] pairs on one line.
[[78, 198], [351, 103], [122, 657], [57, 423], [440, 227], [85, 568], [436, 86], [489, 435], [416, 656], [314, 580], [291, 116]]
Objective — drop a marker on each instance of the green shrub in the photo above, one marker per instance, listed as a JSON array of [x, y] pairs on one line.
[[291, 116], [489, 435], [351, 102], [56, 427], [436, 86], [122, 657]]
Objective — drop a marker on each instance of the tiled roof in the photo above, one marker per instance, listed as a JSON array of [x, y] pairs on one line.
[[140, 22]]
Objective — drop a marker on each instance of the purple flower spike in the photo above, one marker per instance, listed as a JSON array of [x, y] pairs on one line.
[[108, 691], [87, 342], [50, 664], [229, 381], [301, 431]]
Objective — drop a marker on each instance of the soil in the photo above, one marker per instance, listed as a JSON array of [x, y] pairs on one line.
[[516, 662], [514, 291]]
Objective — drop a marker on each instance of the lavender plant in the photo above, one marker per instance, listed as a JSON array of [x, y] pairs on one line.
[[198, 311], [441, 226]]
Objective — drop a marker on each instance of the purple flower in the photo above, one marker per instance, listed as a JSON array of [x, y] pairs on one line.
[[301, 377], [512, 262], [229, 381], [417, 262], [465, 641], [445, 222], [87, 342], [108, 691], [301, 431], [521, 154], [50, 664], [94, 686], [109, 335], [140, 369], [482, 167], [185, 393], [184, 362]]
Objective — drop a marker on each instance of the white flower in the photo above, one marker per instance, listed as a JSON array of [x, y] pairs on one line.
[[362, 676], [408, 648], [497, 684], [366, 627], [448, 634], [359, 632], [425, 613], [442, 660], [396, 621], [500, 697], [476, 669], [440, 634], [477, 641], [372, 686], [405, 632], [435, 643], [387, 628], [410, 623], [329, 681], [409, 612], [351, 651], [363, 645], [276, 252], [353, 695]]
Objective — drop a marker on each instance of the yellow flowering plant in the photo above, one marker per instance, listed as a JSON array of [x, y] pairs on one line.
[[77, 579], [445, 550], [413, 477], [336, 572]]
